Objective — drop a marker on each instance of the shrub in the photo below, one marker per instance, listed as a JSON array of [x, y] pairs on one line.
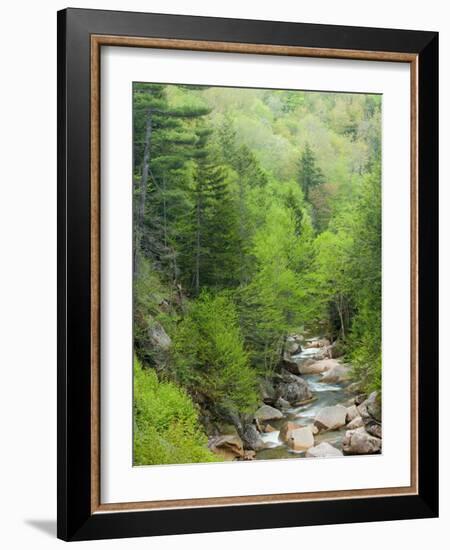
[[166, 424]]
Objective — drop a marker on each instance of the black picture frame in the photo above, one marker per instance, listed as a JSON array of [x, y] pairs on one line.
[[75, 518]]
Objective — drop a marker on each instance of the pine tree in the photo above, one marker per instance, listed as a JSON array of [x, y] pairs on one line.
[[309, 174], [162, 139]]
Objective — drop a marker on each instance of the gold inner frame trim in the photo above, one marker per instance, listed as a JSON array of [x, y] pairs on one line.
[[97, 41]]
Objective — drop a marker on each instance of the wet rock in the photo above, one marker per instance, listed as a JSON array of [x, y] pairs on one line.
[[359, 442], [323, 450], [286, 430], [336, 374], [228, 447], [293, 389], [331, 418], [301, 439], [266, 412], [282, 404], [316, 367]]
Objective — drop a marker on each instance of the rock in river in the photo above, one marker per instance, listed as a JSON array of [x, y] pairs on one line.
[[227, 446], [359, 442], [331, 418], [323, 450], [293, 389], [265, 412], [301, 439], [316, 367], [338, 373], [289, 427]]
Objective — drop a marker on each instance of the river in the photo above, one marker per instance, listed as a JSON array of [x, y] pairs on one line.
[[324, 395]]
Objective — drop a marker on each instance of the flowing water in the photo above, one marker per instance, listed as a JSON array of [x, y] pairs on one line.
[[324, 395]]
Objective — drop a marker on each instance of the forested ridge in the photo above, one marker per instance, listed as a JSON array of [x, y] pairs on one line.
[[257, 225]]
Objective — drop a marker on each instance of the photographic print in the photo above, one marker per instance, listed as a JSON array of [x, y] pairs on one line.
[[256, 274]]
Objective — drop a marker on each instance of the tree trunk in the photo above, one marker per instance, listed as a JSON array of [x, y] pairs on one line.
[[139, 222], [197, 250], [164, 211], [341, 316]]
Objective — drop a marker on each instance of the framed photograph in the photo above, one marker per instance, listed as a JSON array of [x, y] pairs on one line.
[[247, 253]]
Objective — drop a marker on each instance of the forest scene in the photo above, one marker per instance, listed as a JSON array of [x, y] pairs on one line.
[[256, 274]]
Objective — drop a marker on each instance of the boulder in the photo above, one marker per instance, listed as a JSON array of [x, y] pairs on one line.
[[370, 411], [250, 437], [292, 346], [158, 336], [355, 423], [316, 367], [266, 412], [352, 413], [323, 450], [227, 446], [373, 404], [373, 428], [331, 418], [286, 430], [268, 392], [337, 373], [359, 442], [301, 439], [293, 389], [290, 365], [282, 404]]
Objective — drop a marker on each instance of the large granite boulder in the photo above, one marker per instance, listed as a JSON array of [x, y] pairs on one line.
[[331, 418], [337, 373], [323, 450], [359, 442], [316, 367], [301, 439], [266, 412], [293, 389]]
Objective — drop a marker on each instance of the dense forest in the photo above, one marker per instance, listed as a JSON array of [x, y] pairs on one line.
[[257, 238]]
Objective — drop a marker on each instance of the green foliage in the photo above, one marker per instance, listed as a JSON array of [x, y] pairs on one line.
[[166, 424], [210, 355], [257, 214]]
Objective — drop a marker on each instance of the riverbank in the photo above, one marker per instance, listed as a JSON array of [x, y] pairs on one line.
[[310, 409]]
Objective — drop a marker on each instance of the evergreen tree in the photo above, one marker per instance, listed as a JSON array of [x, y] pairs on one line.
[[309, 174]]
